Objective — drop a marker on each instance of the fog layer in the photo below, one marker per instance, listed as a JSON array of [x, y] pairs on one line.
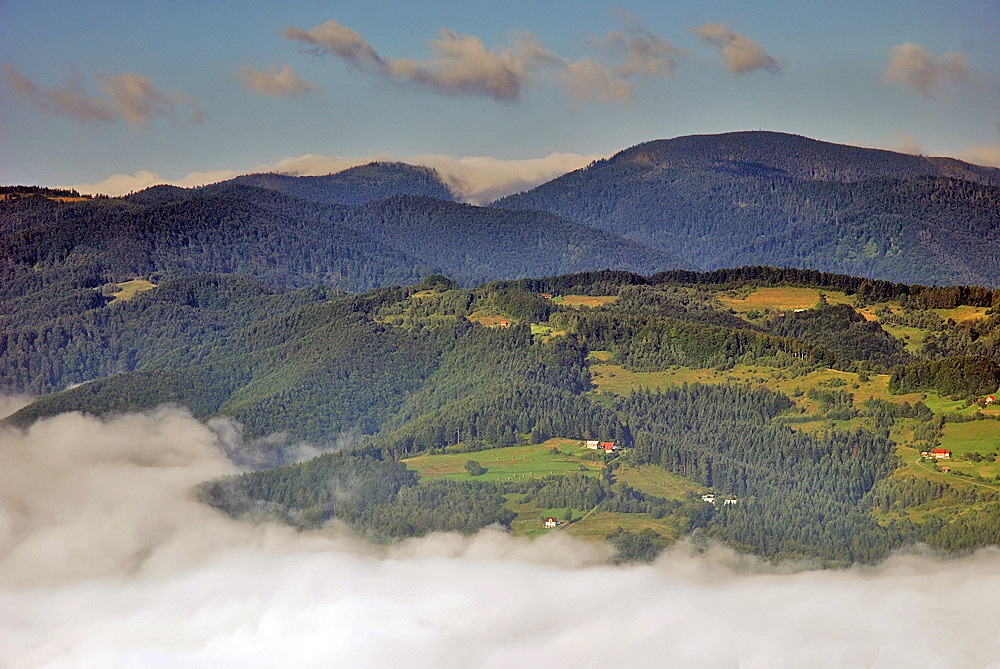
[[107, 559]]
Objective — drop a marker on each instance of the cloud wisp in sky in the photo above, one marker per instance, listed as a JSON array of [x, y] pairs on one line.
[[742, 54], [915, 66], [462, 64], [108, 559], [127, 96], [273, 82]]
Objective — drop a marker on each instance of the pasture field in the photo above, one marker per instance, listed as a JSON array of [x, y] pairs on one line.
[[977, 436], [490, 320], [657, 481], [580, 301], [512, 463], [963, 313], [598, 525], [781, 298], [129, 289]]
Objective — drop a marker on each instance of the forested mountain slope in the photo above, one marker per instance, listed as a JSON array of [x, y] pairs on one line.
[[775, 199], [357, 185], [57, 253], [804, 399]]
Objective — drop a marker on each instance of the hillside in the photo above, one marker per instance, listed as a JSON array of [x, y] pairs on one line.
[[357, 185], [776, 199], [804, 398], [61, 252]]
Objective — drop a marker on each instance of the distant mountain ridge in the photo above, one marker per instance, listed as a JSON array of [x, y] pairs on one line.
[[357, 185], [797, 157], [776, 199]]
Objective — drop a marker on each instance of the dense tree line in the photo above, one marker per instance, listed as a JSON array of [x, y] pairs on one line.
[[961, 377]]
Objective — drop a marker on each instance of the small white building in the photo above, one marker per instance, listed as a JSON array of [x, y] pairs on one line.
[[593, 444], [550, 523], [708, 497]]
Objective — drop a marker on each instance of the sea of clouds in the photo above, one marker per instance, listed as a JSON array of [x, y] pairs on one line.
[[108, 560]]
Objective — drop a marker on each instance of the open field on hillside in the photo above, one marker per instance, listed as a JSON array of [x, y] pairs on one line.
[[129, 289], [912, 337], [491, 320], [598, 525], [579, 301], [657, 481], [963, 313], [512, 463], [616, 380], [780, 298], [977, 436]]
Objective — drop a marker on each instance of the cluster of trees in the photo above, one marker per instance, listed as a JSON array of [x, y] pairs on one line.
[[964, 377]]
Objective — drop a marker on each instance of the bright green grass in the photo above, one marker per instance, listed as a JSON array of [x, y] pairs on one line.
[[977, 436], [913, 338], [514, 463], [129, 289]]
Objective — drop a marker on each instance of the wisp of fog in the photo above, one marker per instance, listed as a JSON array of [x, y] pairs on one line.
[[107, 559]]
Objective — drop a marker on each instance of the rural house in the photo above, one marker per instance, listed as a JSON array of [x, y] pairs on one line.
[[592, 445], [551, 522]]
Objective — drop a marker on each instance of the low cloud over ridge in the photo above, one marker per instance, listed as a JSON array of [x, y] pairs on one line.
[[127, 96], [475, 179], [106, 559]]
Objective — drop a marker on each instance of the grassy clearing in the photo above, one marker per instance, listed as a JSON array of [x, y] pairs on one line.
[[129, 289], [598, 525], [513, 463], [657, 481], [913, 338], [777, 297], [580, 301], [963, 313], [977, 436], [491, 320]]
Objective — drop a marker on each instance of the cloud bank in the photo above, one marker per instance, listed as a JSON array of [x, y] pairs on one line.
[[127, 96], [914, 66], [106, 559], [742, 54], [475, 179]]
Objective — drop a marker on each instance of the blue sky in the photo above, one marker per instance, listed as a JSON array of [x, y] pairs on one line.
[[114, 95]]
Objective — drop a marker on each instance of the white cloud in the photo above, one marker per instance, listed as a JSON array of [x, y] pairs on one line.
[[477, 179], [128, 97], [106, 559], [741, 53], [914, 66], [273, 82]]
